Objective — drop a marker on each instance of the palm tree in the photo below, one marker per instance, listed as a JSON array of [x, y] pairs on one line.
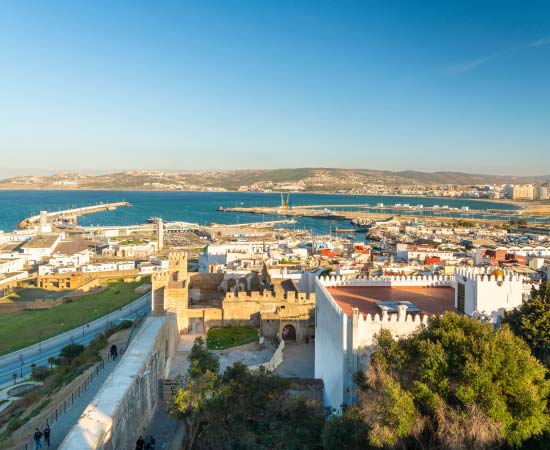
[[51, 361]]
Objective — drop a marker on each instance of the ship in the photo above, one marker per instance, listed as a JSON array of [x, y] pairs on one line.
[[328, 214], [153, 219]]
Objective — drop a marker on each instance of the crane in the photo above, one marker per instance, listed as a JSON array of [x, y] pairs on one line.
[[285, 203]]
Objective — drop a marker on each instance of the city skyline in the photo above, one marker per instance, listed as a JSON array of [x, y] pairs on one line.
[[214, 86]]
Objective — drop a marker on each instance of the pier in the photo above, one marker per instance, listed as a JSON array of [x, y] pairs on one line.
[[357, 211], [71, 215]]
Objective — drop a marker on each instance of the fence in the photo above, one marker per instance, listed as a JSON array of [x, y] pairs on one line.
[[61, 408], [74, 335]]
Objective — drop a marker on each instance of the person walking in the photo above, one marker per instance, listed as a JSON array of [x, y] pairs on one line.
[[47, 432], [152, 441], [147, 443], [112, 351], [37, 439], [140, 443]]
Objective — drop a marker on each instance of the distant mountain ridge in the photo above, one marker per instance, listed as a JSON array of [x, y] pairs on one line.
[[309, 179]]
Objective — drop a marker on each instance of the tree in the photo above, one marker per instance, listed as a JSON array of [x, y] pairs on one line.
[[190, 403], [242, 408], [346, 431], [40, 373], [71, 351], [53, 361], [201, 359], [531, 320], [456, 384]]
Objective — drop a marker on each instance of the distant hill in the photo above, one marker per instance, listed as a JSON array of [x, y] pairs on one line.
[[307, 179]]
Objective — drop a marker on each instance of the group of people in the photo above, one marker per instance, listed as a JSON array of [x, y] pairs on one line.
[[145, 444], [38, 435]]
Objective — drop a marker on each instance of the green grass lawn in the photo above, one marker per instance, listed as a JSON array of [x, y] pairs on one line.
[[23, 328], [230, 336], [30, 294]]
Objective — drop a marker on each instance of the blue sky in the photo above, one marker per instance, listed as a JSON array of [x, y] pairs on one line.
[[425, 85]]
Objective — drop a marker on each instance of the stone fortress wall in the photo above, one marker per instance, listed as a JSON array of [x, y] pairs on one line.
[[124, 405]]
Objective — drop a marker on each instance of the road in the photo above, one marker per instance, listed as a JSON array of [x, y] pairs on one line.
[[21, 361]]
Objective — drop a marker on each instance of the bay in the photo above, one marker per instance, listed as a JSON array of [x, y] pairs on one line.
[[197, 207]]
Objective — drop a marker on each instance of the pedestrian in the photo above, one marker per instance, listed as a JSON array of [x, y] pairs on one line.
[[140, 443], [47, 432], [116, 351], [152, 442], [37, 439], [113, 351], [147, 443]]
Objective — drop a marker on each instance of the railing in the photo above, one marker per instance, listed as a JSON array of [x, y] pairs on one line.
[[64, 405], [72, 335]]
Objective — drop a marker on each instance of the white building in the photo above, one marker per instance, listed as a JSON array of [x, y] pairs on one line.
[[350, 312], [40, 247], [9, 265]]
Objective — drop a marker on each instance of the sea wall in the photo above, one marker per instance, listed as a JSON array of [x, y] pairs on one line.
[[124, 405]]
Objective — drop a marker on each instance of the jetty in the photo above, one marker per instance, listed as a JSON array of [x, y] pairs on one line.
[[70, 216], [353, 212]]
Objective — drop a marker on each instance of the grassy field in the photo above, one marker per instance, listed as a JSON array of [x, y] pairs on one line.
[[23, 328], [230, 336], [30, 294]]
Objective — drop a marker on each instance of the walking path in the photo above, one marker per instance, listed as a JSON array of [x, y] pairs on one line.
[[299, 361], [162, 426], [65, 423]]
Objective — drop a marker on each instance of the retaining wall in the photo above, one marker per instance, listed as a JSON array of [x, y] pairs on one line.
[[124, 405]]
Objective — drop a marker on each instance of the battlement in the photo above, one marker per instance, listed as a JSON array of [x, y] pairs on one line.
[[380, 320], [388, 281], [177, 258], [486, 275], [159, 277], [267, 295]]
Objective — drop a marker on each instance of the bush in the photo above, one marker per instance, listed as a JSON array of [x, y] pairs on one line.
[[40, 373], [71, 351], [119, 327]]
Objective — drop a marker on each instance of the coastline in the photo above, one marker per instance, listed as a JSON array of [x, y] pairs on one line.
[[521, 204]]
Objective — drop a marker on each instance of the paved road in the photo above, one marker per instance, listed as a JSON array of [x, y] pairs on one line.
[[22, 360]]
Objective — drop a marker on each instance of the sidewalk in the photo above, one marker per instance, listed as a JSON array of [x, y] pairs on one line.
[[68, 420]]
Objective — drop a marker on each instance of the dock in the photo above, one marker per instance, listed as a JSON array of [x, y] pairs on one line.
[[71, 215], [363, 211]]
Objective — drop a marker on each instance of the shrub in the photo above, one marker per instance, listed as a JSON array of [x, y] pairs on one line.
[[40, 373], [71, 351]]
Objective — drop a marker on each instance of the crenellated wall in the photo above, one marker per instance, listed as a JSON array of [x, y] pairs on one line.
[[389, 281], [330, 346], [485, 293], [343, 344]]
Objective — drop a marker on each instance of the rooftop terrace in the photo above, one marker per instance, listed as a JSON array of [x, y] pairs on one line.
[[430, 300]]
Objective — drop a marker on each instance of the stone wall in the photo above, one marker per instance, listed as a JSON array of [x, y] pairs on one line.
[[275, 360], [123, 407]]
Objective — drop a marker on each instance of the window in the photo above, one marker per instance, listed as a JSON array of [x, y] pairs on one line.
[[461, 297]]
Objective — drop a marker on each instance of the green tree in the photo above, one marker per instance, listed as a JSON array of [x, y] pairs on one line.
[[241, 409], [346, 431], [455, 384], [53, 361], [201, 359], [531, 320], [71, 351]]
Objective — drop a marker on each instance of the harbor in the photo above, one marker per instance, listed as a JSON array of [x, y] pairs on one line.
[[70, 216]]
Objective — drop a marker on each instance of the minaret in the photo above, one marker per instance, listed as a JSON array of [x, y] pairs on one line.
[[160, 234]]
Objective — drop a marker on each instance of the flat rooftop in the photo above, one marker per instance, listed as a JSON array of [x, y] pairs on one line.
[[430, 300], [43, 241]]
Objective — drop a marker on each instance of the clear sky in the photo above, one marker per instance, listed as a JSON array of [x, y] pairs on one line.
[[425, 85]]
